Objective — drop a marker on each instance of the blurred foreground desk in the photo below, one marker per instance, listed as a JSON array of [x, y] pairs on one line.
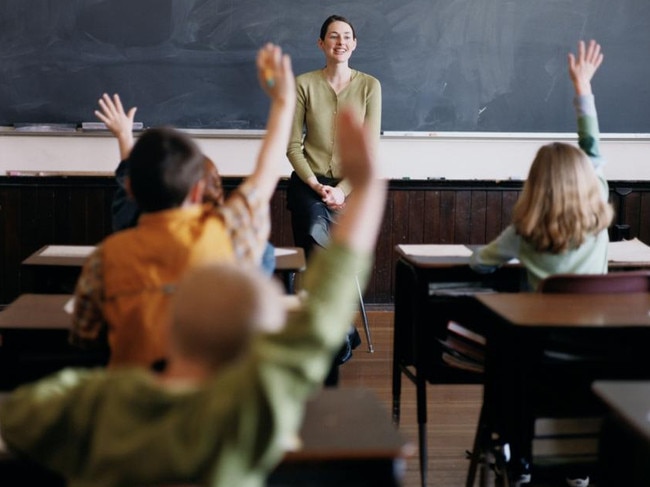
[[34, 339], [624, 447], [347, 441]]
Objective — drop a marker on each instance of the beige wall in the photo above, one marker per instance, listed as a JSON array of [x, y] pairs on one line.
[[415, 156]]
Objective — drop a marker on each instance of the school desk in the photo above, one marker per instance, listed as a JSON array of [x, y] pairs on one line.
[[289, 261], [56, 268], [624, 446], [543, 352], [347, 440], [34, 333], [433, 285]]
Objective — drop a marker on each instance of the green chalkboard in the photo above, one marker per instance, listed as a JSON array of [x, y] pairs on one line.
[[473, 65]]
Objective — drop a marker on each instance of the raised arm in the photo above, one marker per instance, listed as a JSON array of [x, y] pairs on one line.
[[372, 120], [119, 122], [359, 224], [124, 211], [315, 332], [246, 211], [582, 68], [277, 80]]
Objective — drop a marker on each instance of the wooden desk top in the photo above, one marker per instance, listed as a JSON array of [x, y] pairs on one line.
[[624, 254], [629, 400], [60, 255], [286, 258], [290, 259], [433, 256], [37, 311], [346, 423], [578, 310]]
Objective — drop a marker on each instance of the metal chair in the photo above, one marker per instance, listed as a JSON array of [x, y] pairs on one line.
[[364, 317]]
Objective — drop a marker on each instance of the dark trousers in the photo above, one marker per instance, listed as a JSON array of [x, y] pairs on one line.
[[311, 220]]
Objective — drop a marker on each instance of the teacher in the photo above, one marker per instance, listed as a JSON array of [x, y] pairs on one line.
[[316, 191]]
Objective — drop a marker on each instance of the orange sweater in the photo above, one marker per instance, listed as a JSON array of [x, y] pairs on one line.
[[141, 267]]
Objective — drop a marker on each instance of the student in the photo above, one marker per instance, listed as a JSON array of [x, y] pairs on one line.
[[124, 209], [126, 284], [231, 400], [316, 189], [560, 221]]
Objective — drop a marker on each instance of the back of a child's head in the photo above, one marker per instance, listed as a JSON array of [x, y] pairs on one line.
[[217, 309], [562, 201], [164, 165]]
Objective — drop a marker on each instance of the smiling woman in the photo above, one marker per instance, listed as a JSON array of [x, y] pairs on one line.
[[316, 191]]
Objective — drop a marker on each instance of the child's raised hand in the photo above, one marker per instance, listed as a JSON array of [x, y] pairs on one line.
[[584, 65], [117, 121], [355, 149], [275, 73], [113, 115]]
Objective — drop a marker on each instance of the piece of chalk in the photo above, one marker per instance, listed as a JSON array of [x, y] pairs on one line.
[[268, 77]]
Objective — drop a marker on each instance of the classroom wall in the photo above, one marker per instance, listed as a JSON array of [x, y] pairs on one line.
[[76, 210], [446, 155]]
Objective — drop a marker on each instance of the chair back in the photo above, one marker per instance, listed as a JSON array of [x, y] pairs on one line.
[[614, 282]]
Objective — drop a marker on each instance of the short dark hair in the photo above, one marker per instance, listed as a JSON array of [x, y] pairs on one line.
[[335, 18], [164, 165]]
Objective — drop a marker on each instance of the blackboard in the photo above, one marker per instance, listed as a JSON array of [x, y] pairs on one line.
[[472, 65]]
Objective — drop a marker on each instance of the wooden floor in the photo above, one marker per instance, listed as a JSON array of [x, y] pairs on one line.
[[452, 410]]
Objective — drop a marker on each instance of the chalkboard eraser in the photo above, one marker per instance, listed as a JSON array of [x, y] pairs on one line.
[[45, 127], [99, 126]]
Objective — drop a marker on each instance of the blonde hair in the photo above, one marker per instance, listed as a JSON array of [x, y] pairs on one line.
[[218, 308], [561, 202]]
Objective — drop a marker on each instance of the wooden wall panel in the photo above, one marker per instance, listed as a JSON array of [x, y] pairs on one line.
[[36, 211], [478, 217], [431, 220], [642, 229]]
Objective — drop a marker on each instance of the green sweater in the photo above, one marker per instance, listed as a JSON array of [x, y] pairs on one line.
[[590, 257], [123, 428], [316, 107]]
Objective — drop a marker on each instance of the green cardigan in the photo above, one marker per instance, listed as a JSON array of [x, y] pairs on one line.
[[316, 108]]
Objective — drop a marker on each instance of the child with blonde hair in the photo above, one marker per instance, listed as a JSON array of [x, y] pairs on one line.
[[560, 221]]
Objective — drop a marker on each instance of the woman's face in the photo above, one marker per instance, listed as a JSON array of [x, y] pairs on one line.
[[339, 42]]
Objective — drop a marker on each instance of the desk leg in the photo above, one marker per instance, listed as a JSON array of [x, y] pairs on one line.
[[289, 279], [397, 392], [405, 282], [421, 399]]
